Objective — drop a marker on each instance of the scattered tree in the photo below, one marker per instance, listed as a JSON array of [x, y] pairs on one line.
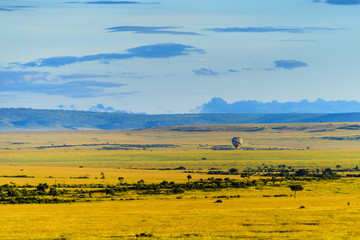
[[246, 176], [110, 191], [181, 168], [296, 188], [54, 192], [189, 177], [301, 172], [42, 187], [233, 171], [178, 190]]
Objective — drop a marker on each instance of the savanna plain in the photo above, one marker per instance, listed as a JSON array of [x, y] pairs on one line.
[[287, 181]]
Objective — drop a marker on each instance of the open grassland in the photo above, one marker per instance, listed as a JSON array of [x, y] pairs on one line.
[[157, 165], [326, 208], [326, 216], [298, 136]]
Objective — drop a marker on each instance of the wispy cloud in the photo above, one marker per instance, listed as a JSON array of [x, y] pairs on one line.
[[76, 89], [278, 65], [339, 2], [205, 71], [164, 50], [82, 76], [297, 40], [112, 2], [270, 29], [13, 8], [15, 77], [37, 82], [289, 64], [6, 9], [149, 30]]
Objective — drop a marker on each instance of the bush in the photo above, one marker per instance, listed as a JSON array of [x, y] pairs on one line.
[[178, 190], [143, 235]]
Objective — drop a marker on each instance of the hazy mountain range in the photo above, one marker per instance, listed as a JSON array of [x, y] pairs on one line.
[[21, 119]]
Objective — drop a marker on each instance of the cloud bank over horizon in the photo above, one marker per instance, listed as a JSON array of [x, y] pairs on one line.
[[219, 105], [101, 108]]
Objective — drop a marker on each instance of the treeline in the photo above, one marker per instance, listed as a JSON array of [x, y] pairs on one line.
[[286, 172], [68, 193], [13, 194], [109, 146], [228, 147], [65, 193]]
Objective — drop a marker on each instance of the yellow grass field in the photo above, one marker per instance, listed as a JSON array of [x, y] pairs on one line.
[[324, 217], [331, 208]]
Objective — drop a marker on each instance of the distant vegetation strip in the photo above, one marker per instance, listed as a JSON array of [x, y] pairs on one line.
[[113, 146], [17, 119], [271, 176], [16, 176]]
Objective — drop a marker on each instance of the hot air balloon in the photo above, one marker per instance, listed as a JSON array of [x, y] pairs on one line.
[[237, 142]]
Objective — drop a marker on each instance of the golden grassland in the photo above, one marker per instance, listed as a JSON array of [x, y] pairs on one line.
[[326, 216], [60, 165], [317, 136], [332, 207]]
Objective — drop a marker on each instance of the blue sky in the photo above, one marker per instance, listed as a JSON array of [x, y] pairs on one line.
[[167, 56]]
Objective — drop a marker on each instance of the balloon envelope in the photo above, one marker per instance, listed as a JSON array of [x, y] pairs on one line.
[[237, 142]]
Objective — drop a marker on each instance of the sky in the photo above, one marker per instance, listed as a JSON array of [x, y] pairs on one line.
[[167, 56]]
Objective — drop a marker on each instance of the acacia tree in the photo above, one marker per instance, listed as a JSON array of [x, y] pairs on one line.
[[189, 177], [296, 188]]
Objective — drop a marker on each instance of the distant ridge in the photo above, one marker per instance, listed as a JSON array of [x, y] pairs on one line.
[[23, 119]]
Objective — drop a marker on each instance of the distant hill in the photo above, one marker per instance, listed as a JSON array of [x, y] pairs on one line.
[[21, 119]]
